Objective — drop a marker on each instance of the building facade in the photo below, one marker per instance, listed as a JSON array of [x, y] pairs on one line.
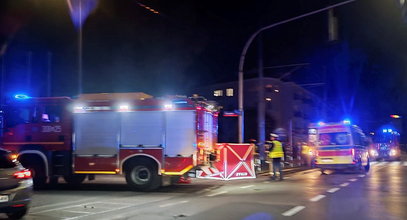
[[288, 110]]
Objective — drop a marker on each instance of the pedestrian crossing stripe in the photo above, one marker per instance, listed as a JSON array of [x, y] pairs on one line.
[[395, 163]]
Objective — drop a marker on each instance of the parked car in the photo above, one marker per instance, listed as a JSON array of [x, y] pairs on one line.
[[15, 186]]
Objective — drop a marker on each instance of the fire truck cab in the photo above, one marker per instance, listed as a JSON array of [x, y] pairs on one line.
[[150, 140]]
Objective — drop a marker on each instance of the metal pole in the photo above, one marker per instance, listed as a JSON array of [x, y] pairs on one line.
[[261, 108], [246, 47], [80, 50]]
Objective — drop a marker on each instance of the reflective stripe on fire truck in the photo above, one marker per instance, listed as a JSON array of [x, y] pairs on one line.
[[96, 172], [178, 173]]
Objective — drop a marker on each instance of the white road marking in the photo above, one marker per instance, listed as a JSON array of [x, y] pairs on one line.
[[333, 190], [60, 203], [344, 184], [173, 203], [362, 175], [395, 163], [81, 212], [317, 198], [405, 163], [353, 180], [96, 213], [80, 205], [218, 193], [293, 211], [60, 208], [244, 187]]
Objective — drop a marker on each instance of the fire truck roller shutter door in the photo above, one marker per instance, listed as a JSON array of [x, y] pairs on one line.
[[144, 128], [180, 133], [97, 133], [96, 143]]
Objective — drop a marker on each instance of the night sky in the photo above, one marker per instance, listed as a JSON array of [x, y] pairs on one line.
[[127, 48]]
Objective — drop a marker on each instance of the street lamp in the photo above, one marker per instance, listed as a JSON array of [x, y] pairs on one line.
[[246, 47]]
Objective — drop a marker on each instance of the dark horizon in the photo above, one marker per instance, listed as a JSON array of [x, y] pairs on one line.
[[128, 48]]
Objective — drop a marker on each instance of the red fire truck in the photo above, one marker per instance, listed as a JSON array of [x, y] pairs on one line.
[[150, 140]]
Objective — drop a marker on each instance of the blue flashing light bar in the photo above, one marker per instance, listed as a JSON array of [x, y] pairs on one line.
[[22, 96], [180, 102]]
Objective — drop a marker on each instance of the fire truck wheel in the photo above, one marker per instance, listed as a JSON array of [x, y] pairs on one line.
[[143, 176], [74, 179], [39, 178]]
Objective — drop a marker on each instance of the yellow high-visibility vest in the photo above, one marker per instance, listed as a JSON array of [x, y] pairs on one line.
[[277, 151]]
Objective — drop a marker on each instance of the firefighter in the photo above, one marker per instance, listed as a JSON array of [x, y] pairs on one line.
[[275, 153]]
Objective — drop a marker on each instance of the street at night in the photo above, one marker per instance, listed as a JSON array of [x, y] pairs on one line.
[[201, 110], [379, 194]]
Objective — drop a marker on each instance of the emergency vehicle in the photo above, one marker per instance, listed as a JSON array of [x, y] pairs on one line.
[[385, 144], [152, 141], [340, 146]]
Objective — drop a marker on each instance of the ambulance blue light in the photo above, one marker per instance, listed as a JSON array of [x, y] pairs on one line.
[[21, 96]]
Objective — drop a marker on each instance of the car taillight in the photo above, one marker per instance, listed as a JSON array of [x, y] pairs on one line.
[[22, 174]]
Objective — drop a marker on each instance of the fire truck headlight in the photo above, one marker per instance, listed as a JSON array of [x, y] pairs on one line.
[[393, 152], [124, 107], [78, 108], [373, 152], [168, 106]]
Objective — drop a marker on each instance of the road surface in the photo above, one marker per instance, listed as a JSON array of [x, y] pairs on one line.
[[379, 194]]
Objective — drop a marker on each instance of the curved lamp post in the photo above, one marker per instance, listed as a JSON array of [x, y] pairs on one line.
[[246, 47]]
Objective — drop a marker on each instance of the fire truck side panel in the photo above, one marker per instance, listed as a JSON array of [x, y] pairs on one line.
[[142, 128], [96, 141], [180, 137], [177, 165]]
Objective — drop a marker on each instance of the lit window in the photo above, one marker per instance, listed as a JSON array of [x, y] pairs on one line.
[[218, 93], [229, 92]]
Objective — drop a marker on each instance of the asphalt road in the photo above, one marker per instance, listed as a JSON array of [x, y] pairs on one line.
[[379, 194]]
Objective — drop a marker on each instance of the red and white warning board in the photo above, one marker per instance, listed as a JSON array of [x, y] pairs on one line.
[[235, 161]]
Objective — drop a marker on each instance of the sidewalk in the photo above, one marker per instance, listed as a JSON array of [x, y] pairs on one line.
[[264, 171]]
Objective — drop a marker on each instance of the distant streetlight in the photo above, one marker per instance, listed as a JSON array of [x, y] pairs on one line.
[[246, 47]]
